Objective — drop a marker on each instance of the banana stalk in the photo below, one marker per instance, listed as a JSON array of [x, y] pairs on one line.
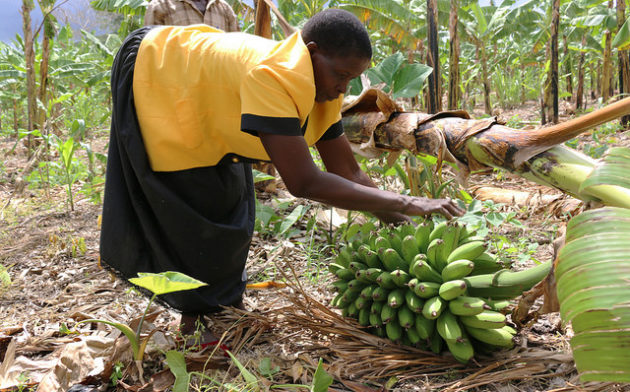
[[571, 172], [373, 123]]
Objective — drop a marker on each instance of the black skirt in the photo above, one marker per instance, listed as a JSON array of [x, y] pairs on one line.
[[198, 221]]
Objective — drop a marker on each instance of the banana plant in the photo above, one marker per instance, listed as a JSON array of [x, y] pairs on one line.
[[480, 32], [305, 9], [244, 12], [395, 26], [622, 38], [66, 154], [602, 21], [12, 72], [507, 33], [132, 10]]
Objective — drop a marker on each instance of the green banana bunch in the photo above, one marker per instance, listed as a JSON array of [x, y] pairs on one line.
[[433, 286]]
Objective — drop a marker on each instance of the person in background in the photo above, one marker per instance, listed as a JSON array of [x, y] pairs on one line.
[[215, 13]]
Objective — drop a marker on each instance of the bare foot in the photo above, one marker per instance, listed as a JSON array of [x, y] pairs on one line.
[[194, 331]]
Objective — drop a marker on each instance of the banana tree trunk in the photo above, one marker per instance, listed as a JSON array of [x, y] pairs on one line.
[[546, 106], [593, 271], [16, 122], [29, 58], [624, 60], [434, 99], [596, 71], [454, 77], [43, 82], [374, 124], [555, 26], [262, 26], [579, 95], [522, 77], [606, 68], [486, 79], [568, 68]]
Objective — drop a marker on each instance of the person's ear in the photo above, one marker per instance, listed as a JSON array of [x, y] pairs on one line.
[[312, 47]]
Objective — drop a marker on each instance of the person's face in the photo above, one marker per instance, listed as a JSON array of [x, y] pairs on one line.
[[333, 73]]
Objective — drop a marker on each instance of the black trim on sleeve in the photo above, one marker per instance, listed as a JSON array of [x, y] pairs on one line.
[[231, 158], [305, 126], [253, 124], [334, 131]]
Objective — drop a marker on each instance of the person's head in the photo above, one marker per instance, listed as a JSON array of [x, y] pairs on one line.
[[340, 50]]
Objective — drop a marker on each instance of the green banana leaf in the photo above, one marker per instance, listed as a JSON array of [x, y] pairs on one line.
[[593, 285], [622, 38], [612, 169], [609, 180], [406, 80]]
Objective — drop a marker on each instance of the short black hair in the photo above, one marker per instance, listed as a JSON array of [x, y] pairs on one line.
[[338, 32]]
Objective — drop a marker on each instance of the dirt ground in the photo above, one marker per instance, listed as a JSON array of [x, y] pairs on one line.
[[55, 283]]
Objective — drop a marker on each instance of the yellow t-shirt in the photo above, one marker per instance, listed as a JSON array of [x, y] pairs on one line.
[[201, 94]]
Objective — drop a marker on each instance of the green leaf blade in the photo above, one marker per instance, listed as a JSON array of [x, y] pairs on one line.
[[166, 282], [292, 218], [409, 80], [249, 377], [385, 71], [177, 364], [128, 332], [622, 39], [321, 379]]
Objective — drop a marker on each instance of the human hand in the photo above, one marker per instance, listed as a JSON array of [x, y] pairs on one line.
[[424, 206], [394, 218]]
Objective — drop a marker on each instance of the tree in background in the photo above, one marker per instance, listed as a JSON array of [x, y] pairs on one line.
[[132, 12], [50, 29], [549, 111], [434, 97], [29, 57], [623, 57], [454, 79], [82, 16]]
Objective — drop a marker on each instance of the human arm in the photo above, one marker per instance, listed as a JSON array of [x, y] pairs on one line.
[[339, 159], [343, 187], [154, 14], [232, 21], [220, 14]]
